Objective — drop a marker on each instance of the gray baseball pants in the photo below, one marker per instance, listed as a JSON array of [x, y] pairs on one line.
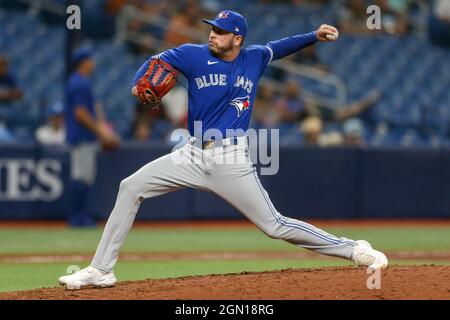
[[226, 171]]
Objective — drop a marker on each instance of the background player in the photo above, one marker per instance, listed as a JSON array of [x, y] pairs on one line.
[[83, 128], [222, 83]]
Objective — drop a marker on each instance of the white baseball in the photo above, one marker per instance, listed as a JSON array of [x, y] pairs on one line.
[[333, 36]]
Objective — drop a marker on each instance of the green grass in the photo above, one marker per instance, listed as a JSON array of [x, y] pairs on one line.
[[59, 241], [45, 241], [429, 238], [26, 276]]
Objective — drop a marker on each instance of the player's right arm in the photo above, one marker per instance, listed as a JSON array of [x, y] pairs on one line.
[[281, 48], [286, 46]]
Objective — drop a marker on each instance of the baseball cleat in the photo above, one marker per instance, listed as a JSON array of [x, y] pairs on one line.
[[89, 276], [364, 255]]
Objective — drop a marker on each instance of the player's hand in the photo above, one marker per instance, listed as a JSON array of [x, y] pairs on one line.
[[108, 139], [109, 142], [327, 33]]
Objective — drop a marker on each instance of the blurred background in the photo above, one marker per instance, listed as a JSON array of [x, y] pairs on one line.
[[364, 121]]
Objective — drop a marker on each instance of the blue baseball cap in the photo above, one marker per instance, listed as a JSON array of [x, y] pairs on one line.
[[230, 21], [80, 55]]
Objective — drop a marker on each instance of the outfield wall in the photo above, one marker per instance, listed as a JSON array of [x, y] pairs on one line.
[[311, 183]]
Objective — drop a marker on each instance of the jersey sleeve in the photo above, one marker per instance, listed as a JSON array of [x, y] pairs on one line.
[[179, 58], [286, 46], [262, 54]]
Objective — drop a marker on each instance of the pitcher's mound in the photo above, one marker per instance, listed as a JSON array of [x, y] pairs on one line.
[[395, 282]]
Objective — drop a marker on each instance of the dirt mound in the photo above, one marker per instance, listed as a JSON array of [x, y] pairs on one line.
[[396, 282]]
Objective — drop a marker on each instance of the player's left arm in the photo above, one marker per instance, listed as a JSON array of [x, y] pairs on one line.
[[178, 58], [151, 85], [286, 46]]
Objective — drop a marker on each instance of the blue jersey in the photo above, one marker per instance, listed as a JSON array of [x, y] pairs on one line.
[[222, 93], [78, 92]]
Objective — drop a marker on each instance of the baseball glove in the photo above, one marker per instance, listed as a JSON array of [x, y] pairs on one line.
[[156, 82]]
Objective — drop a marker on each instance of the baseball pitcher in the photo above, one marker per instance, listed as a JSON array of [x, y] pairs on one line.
[[223, 77]]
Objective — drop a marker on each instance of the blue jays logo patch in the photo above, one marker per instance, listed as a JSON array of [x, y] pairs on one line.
[[241, 104], [222, 15]]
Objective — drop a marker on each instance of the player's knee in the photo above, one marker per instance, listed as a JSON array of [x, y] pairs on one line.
[[127, 185], [274, 234], [274, 231]]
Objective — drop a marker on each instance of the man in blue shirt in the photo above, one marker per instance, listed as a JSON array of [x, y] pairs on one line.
[[223, 78], [83, 129]]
